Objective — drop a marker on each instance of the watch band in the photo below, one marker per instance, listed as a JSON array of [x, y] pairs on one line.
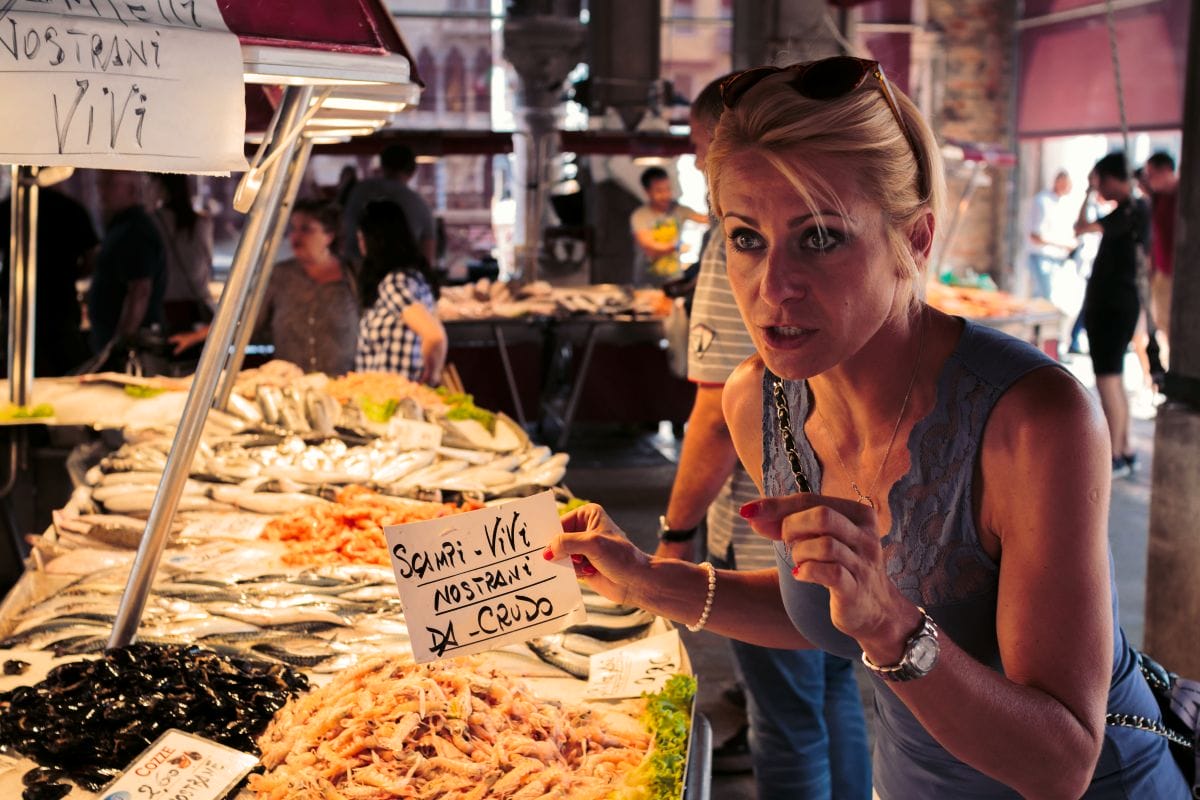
[[668, 534], [920, 654]]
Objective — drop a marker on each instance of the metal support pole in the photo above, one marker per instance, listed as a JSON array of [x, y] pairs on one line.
[[262, 276], [129, 614], [22, 283]]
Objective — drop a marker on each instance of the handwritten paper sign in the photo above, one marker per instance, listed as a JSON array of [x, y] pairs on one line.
[[475, 581], [152, 85], [642, 666], [180, 764]]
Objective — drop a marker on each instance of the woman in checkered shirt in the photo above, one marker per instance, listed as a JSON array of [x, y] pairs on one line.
[[399, 330]]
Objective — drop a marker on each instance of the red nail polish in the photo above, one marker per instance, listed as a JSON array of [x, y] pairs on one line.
[[749, 510], [587, 570], [577, 559], [548, 554], [795, 572]]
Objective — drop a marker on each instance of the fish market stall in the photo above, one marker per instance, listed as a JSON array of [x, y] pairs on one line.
[[276, 571], [556, 351]]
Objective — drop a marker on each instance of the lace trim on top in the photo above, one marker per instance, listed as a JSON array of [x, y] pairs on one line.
[[938, 559]]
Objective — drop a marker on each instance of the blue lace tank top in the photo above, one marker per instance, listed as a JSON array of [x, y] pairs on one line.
[[935, 558]]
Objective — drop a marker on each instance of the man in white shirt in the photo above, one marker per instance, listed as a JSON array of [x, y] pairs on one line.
[[1051, 234]]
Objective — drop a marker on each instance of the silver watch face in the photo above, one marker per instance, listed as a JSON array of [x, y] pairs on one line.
[[924, 653]]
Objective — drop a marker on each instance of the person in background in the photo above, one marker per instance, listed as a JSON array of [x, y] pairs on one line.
[[398, 165], [188, 238], [399, 330], [347, 180], [1164, 188], [131, 269], [658, 229], [1051, 236], [1111, 304], [66, 246], [967, 567], [310, 308], [806, 733]]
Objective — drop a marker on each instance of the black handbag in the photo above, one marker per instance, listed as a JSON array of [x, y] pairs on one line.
[[1179, 705]]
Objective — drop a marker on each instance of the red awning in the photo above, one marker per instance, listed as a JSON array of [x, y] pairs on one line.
[[347, 26], [1067, 85]]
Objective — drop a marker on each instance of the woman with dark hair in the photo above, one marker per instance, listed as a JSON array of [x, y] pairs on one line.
[[399, 330], [188, 240], [310, 309]]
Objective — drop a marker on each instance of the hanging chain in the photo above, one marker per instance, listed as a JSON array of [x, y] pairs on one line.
[[1116, 63]]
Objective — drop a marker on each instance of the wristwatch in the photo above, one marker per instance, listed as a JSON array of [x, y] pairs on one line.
[[920, 654], [667, 534]]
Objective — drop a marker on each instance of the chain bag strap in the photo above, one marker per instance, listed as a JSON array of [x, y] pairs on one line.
[[785, 429], [1179, 703]]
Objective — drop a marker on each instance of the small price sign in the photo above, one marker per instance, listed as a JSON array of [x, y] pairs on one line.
[[628, 671], [181, 765]]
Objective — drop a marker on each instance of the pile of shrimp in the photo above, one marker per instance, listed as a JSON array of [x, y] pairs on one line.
[[380, 387], [388, 728], [350, 530]]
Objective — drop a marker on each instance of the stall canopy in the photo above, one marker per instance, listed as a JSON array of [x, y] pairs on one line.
[[1067, 82]]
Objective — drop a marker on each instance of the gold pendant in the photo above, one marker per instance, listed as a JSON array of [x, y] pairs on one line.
[[866, 501]]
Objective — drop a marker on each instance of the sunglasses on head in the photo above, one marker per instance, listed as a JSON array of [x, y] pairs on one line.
[[827, 79]]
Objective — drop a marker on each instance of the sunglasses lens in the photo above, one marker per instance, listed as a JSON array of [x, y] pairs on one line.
[[832, 77], [733, 89]]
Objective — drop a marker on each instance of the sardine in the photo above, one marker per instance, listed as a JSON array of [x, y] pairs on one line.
[[611, 628], [243, 408], [552, 652], [292, 411], [270, 400], [322, 411]]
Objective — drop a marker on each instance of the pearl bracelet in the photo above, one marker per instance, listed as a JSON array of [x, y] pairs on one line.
[[708, 600]]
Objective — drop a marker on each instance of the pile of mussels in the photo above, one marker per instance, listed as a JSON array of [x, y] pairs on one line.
[[88, 719]]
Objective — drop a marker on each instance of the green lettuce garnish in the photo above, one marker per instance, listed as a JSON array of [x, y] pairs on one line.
[[462, 407], [668, 716], [379, 412], [39, 411], [142, 392]]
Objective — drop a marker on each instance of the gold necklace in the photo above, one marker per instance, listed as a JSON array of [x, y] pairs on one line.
[[865, 498]]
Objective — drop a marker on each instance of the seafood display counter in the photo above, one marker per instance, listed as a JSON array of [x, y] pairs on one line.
[[274, 625]]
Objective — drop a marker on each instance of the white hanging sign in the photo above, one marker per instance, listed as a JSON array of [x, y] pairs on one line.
[[149, 85], [472, 582]]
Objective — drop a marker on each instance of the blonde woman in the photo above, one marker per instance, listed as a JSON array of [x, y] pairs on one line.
[[937, 491]]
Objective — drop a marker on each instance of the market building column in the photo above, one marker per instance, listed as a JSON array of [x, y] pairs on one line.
[[543, 40], [1173, 562]]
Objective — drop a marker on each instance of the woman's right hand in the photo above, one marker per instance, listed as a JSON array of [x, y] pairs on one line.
[[604, 557]]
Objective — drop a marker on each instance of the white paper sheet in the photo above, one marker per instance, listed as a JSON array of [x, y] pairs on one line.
[[151, 85], [472, 582]]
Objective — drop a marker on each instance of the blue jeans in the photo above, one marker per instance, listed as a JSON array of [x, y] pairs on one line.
[[808, 737], [1040, 269]]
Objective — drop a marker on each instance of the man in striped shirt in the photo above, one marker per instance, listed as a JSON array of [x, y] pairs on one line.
[[806, 730]]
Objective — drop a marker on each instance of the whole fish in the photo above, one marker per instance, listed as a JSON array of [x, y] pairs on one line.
[[270, 400], [245, 409]]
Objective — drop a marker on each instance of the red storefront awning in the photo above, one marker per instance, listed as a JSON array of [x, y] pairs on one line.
[[1067, 84]]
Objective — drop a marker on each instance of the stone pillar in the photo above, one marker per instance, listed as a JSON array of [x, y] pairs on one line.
[[781, 32], [543, 40], [1173, 561]]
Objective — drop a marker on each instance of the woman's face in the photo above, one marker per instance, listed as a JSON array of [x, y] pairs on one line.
[[811, 294], [308, 237]]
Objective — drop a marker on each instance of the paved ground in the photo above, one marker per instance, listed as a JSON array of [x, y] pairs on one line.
[[630, 471]]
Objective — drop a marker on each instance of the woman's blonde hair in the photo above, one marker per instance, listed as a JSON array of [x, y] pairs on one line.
[[903, 174]]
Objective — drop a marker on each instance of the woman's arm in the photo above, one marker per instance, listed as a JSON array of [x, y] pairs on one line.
[[434, 343], [1044, 494], [746, 605]]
